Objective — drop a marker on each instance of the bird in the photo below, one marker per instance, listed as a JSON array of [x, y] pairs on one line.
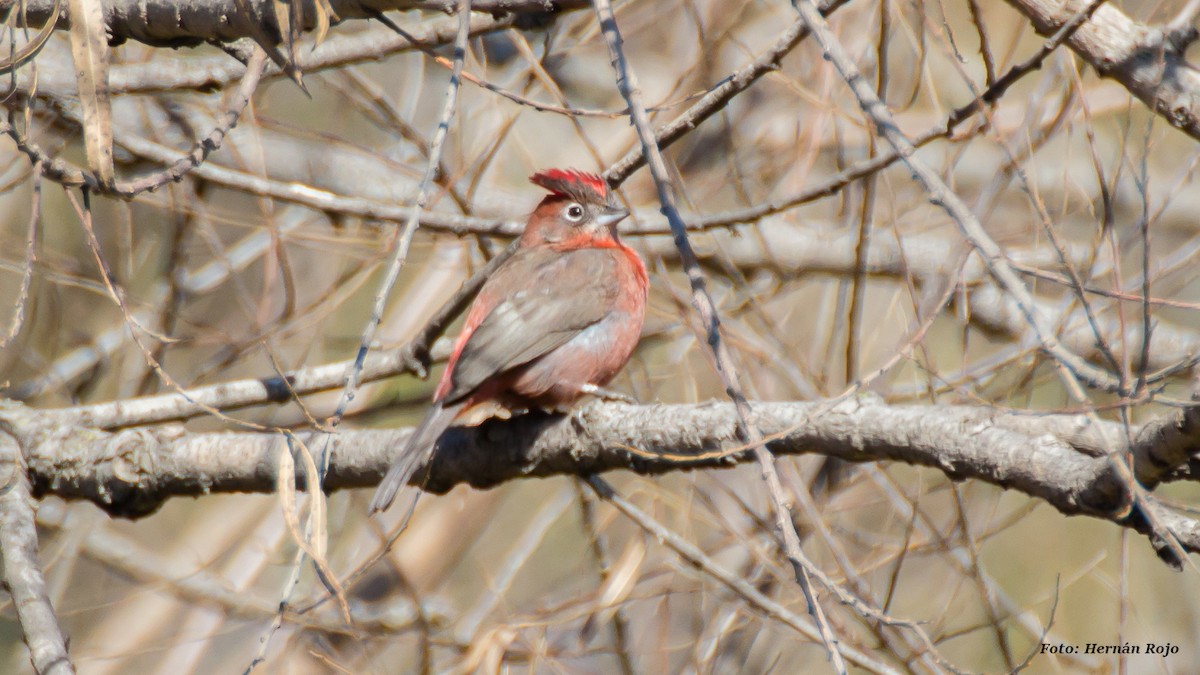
[[554, 323]]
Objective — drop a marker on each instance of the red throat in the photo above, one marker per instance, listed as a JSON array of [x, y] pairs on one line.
[[635, 260]]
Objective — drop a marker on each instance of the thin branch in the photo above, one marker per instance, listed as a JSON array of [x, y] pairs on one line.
[[1149, 62], [354, 373], [128, 557], [35, 217], [1073, 370], [736, 584], [210, 143], [413, 358], [991, 253], [22, 571], [61, 171], [716, 100]]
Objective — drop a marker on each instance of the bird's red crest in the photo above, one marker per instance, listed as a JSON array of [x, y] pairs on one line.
[[573, 184]]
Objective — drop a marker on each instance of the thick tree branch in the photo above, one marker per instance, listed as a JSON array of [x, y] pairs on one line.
[[1164, 444], [169, 23], [1051, 457]]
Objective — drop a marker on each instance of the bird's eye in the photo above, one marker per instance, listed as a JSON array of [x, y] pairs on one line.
[[574, 213]]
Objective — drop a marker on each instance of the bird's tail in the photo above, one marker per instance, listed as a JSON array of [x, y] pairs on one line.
[[416, 452]]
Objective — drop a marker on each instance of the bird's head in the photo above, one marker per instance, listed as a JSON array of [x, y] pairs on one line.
[[580, 209]]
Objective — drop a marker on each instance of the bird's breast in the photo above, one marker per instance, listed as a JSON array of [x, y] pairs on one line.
[[594, 356]]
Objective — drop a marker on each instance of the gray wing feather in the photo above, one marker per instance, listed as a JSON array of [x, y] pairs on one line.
[[552, 307]]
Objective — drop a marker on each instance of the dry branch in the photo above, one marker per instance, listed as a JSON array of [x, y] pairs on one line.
[[22, 571], [1146, 60], [1050, 457], [709, 318], [112, 455], [168, 23]]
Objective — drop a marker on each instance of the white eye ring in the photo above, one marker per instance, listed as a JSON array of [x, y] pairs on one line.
[[573, 212]]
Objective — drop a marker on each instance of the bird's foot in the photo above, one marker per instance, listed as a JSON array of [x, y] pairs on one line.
[[580, 424], [607, 394]]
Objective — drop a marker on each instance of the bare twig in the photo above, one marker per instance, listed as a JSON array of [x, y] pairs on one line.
[[35, 215], [739, 586], [412, 222], [1073, 369], [210, 143], [716, 100], [705, 308], [1149, 62], [61, 171], [413, 358]]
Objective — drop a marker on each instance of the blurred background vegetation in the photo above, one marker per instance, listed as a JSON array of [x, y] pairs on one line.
[[250, 270]]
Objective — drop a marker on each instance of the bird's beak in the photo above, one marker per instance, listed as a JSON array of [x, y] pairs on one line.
[[611, 217]]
